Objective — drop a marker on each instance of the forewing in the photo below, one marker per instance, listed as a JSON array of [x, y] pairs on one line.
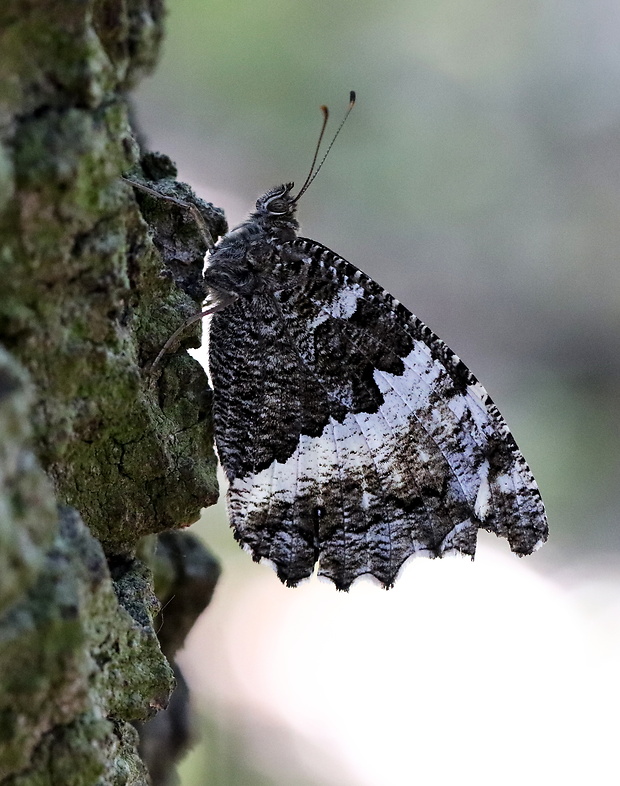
[[352, 436]]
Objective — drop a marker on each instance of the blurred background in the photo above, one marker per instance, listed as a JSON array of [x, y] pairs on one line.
[[478, 179]]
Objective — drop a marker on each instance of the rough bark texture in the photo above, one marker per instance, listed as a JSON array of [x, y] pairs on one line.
[[89, 292]]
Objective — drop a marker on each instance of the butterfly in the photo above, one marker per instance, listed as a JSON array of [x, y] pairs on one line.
[[351, 436]]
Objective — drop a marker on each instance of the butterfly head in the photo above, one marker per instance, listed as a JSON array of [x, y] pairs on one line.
[[279, 202], [275, 213]]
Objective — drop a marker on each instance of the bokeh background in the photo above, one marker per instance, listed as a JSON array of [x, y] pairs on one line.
[[478, 179]]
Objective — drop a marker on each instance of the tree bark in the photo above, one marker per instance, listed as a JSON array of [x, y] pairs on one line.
[[95, 452]]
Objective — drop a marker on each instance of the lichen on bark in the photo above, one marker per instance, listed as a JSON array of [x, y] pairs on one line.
[[89, 292], [78, 657]]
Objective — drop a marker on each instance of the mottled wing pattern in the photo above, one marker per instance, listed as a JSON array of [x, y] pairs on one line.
[[352, 436]]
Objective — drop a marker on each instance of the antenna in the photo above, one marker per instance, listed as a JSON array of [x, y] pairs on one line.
[[314, 172], [325, 112]]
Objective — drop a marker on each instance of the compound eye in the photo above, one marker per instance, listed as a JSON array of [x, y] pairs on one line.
[[277, 206]]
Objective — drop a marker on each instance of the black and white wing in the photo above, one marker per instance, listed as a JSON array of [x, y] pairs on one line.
[[352, 436]]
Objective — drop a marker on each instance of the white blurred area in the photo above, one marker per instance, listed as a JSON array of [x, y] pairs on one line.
[[470, 673], [465, 672]]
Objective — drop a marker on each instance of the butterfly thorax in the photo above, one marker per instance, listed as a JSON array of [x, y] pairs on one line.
[[243, 262]]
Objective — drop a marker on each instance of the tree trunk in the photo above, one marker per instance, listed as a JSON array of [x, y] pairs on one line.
[[95, 452]]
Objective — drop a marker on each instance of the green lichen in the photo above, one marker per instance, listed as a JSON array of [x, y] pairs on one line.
[[84, 308], [78, 644], [27, 505], [74, 286]]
